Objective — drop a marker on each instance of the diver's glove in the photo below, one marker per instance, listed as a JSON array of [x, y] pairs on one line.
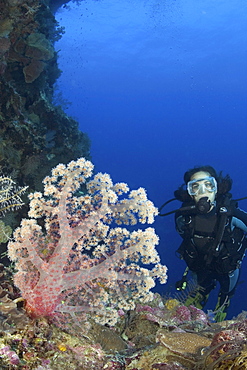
[[181, 284]]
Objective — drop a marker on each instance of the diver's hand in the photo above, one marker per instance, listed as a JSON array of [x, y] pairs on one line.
[[181, 284]]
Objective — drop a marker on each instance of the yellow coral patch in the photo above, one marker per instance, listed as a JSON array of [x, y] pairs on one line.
[[62, 347], [171, 304]]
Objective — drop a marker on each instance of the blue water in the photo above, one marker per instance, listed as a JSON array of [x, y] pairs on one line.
[[160, 86]]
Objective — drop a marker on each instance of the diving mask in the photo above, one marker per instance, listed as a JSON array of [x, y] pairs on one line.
[[201, 186]]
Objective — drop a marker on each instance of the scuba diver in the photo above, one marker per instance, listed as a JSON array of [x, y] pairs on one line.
[[213, 231]]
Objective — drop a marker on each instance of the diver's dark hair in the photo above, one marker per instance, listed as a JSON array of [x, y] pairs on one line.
[[188, 174], [224, 183]]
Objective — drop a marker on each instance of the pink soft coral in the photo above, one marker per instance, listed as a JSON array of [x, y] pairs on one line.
[[71, 260]]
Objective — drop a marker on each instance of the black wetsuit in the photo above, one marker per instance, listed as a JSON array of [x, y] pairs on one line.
[[199, 232]]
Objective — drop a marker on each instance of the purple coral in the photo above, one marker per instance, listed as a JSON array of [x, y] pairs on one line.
[[170, 366], [198, 315], [160, 315], [10, 355], [226, 341], [184, 314]]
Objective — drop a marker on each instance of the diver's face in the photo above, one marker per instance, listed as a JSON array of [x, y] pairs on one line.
[[203, 187]]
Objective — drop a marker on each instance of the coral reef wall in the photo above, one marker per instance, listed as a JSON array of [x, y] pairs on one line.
[[35, 135]]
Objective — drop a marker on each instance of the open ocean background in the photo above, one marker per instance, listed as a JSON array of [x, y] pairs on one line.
[[159, 87]]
